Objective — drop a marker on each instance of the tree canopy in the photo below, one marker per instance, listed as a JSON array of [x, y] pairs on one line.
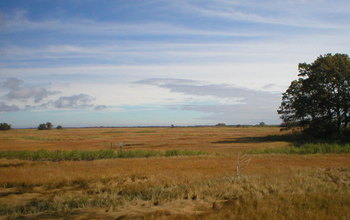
[[319, 101], [5, 126], [45, 126]]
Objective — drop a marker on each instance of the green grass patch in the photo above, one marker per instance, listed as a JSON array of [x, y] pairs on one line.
[[171, 153], [139, 153], [59, 155], [311, 148]]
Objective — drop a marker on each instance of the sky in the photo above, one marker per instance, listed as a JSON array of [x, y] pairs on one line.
[[158, 62]]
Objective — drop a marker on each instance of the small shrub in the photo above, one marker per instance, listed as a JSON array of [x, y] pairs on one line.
[[59, 127]]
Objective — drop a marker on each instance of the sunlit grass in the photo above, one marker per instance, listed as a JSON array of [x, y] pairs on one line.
[[301, 194]]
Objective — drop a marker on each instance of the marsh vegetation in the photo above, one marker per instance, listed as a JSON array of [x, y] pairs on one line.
[[177, 173]]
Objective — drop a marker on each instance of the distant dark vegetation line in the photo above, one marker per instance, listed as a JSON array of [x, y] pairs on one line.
[[59, 155]]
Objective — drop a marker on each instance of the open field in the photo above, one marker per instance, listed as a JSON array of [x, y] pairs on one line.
[[272, 186]]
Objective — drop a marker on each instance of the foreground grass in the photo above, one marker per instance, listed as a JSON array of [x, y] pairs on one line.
[[300, 194], [58, 155], [311, 148]]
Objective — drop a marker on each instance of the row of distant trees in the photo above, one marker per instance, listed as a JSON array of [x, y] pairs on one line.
[[48, 126], [261, 124], [44, 126]]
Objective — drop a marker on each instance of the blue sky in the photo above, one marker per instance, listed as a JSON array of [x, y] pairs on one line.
[[157, 62]]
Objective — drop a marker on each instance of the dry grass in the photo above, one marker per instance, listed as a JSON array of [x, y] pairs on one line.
[[200, 187], [211, 139]]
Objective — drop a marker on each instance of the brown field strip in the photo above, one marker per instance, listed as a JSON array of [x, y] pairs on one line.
[[212, 139]]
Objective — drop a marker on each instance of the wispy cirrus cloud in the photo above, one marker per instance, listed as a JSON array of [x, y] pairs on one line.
[[174, 42], [214, 59], [19, 22], [290, 12]]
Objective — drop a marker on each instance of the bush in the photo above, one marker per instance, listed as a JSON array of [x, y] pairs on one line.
[[5, 126]]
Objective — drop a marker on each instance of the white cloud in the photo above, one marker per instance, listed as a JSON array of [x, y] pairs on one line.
[[300, 13], [11, 83], [227, 103], [16, 91], [233, 54], [74, 101], [100, 107], [8, 108], [253, 75]]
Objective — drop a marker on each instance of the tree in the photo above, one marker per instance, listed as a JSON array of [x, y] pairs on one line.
[[5, 126], [42, 127], [319, 101], [49, 125], [59, 127], [220, 124], [261, 124], [45, 126]]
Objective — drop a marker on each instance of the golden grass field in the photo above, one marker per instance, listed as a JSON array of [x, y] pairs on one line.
[[271, 186]]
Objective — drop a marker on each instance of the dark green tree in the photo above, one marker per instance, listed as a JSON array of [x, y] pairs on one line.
[[42, 127], [319, 101], [45, 126], [49, 125], [5, 126], [261, 124]]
